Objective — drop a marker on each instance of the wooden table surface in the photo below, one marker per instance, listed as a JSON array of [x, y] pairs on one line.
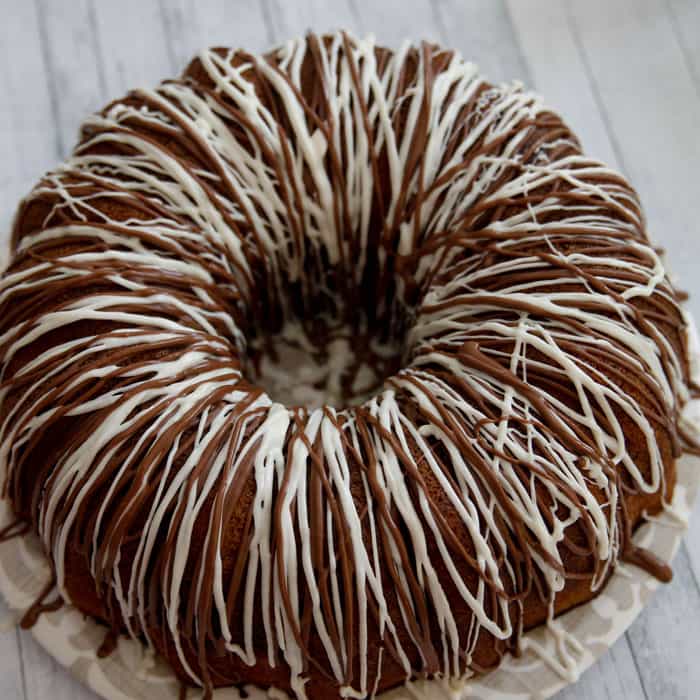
[[624, 73]]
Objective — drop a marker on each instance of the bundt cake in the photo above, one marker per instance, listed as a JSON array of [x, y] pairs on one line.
[[335, 367]]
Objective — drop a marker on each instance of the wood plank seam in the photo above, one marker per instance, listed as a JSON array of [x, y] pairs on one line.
[[165, 22], [439, 21], [686, 552], [22, 665], [675, 25], [635, 660], [50, 82], [270, 11], [267, 21], [97, 48], [355, 11], [605, 117]]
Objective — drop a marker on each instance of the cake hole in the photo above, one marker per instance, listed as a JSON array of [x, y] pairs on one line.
[[319, 341], [329, 363]]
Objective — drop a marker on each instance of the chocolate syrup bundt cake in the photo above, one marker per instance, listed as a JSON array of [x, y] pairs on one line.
[[335, 367]]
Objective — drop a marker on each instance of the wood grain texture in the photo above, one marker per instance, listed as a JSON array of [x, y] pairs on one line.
[[614, 677], [73, 64], [11, 662], [566, 82], [483, 31], [665, 639], [43, 678], [650, 101], [393, 21], [191, 25], [28, 144], [625, 74], [685, 21], [131, 53], [291, 19]]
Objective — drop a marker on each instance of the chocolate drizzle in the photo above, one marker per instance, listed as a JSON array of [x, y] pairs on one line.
[[39, 607], [648, 561], [18, 528], [495, 476], [109, 644]]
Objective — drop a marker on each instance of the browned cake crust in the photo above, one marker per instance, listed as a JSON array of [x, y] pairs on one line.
[[523, 426]]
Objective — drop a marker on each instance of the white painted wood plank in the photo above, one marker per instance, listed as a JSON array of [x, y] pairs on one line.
[[613, 677], [11, 665], [392, 21], [133, 47], [665, 638], [692, 546], [238, 23], [685, 19], [27, 138], [559, 72], [45, 679], [289, 19], [72, 55], [482, 30], [191, 25]]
